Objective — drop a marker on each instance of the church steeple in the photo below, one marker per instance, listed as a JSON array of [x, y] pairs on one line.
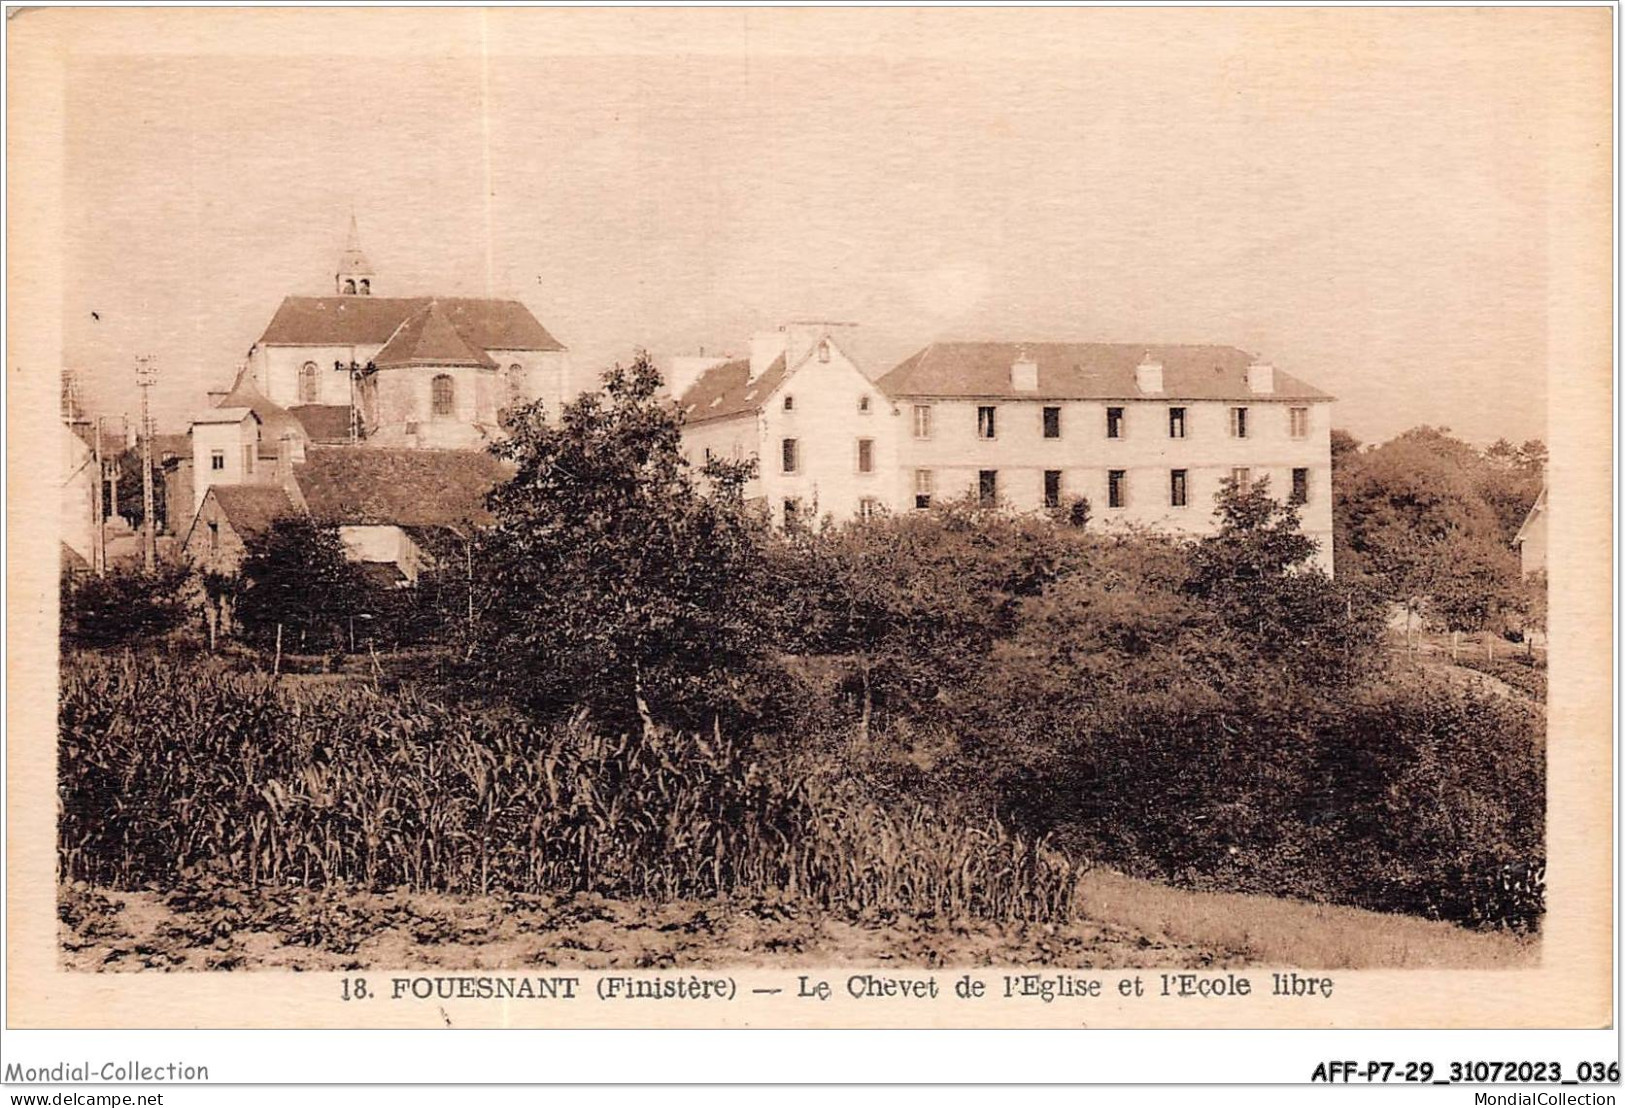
[[355, 276]]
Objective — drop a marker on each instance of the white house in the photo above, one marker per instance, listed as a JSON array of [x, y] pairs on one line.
[[1531, 537], [822, 432]]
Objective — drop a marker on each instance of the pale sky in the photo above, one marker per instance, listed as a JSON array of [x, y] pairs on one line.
[[1362, 200]]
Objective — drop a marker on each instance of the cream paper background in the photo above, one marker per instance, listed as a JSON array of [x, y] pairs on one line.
[[1571, 987]]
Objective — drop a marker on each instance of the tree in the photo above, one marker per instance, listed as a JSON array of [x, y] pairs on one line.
[[615, 574], [295, 575], [1429, 520], [1255, 577], [124, 606], [130, 504]]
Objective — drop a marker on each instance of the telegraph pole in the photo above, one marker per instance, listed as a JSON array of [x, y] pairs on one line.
[[146, 374], [98, 517]]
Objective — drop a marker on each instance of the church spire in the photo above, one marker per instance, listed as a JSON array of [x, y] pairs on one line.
[[355, 275]]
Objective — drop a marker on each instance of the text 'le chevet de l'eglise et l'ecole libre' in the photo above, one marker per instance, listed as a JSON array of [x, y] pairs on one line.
[[375, 412]]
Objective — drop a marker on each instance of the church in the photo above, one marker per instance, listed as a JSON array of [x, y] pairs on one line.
[[371, 412], [419, 371]]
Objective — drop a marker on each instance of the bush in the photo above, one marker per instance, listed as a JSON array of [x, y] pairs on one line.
[[123, 607]]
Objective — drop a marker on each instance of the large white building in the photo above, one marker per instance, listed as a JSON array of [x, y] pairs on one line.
[[1146, 434]]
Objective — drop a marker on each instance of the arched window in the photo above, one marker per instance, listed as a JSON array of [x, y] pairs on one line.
[[366, 287], [823, 351], [516, 383], [349, 287], [443, 396], [310, 384]]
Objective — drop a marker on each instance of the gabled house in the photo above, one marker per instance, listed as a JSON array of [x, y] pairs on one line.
[[1531, 537], [819, 428]]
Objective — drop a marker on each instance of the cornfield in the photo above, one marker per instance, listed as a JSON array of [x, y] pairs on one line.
[[169, 770]]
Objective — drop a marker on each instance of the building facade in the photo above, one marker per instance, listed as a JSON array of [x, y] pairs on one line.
[[821, 431], [1147, 435]]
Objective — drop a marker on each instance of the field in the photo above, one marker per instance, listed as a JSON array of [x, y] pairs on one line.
[[219, 820]]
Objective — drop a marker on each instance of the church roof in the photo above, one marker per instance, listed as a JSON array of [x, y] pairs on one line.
[[429, 338], [404, 487], [1084, 370], [371, 320], [324, 422], [353, 262]]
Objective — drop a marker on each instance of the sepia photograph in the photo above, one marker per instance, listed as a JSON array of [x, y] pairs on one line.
[[712, 505]]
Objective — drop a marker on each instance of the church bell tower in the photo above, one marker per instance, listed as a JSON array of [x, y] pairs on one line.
[[355, 276]]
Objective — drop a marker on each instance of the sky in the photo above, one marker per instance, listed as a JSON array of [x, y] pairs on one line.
[[1364, 202]]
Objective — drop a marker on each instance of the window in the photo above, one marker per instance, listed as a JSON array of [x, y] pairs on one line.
[[1178, 496], [1176, 423], [866, 455], [516, 382], [217, 460], [922, 421], [823, 351], [790, 456], [792, 512], [349, 287], [1242, 476], [987, 487], [868, 507], [214, 536], [1052, 488], [1238, 423], [924, 483], [1052, 423], [366, 287], [443, 396], [863, 403], [1114, 423], [1116, 488], [248, 458], [1300, 486], [789, 403], [986, 428], [310, 384], [1298, 420]]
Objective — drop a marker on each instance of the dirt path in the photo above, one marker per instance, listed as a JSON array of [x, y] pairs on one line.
[[295, 929]]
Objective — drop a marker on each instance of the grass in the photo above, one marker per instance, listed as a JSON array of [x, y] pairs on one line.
[[1279, 931]]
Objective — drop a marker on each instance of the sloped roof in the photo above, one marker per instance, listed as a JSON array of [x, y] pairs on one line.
[[428, 338], [324, 422], [403, 487], [250, 509], [1084, 371], [1536, 510], [276, 422], [726, 390], [354, 261], [371, 320]]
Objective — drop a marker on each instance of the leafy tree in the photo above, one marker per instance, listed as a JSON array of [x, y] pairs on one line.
[[125, 606], [295, 574], [1255, 577], [915, 601], [614, 574], [130, 503]]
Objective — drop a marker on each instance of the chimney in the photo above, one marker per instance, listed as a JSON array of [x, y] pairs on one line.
[[686, 369], [765, 349], [1261, 377], [1024, 373], [1148, 374]]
